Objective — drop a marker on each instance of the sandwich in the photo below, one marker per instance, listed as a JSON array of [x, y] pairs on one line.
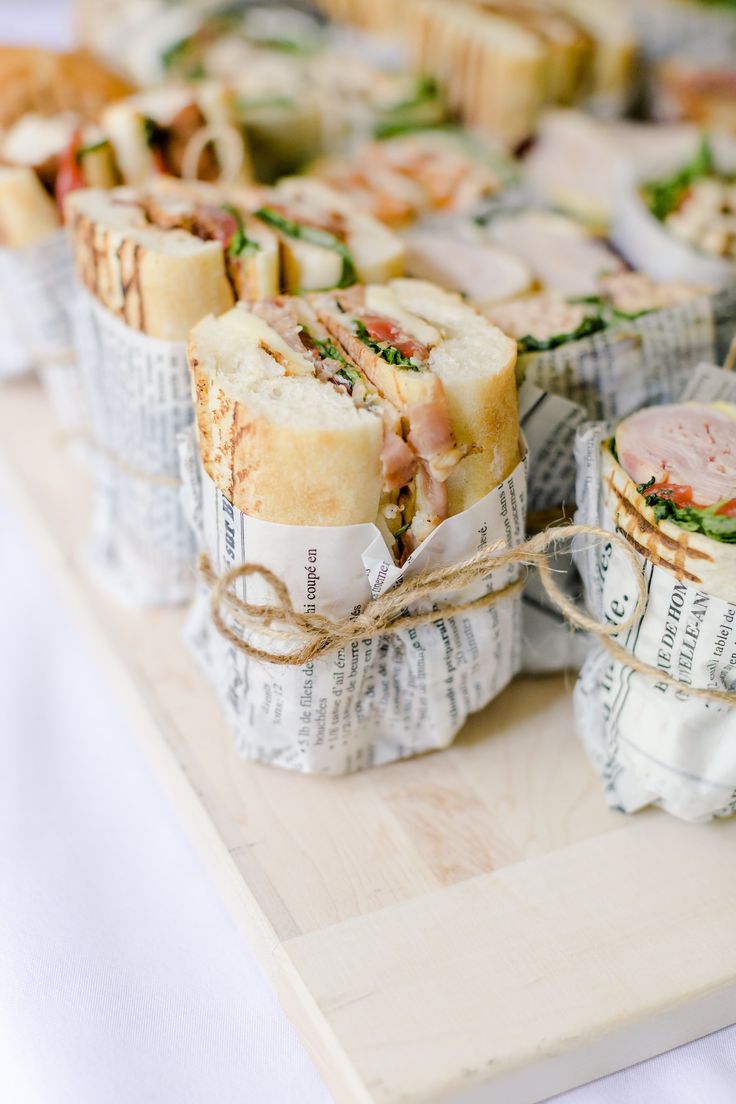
[[390, 404], [189, 131], [326, 241], [42, 159], [547, 320], [670, 486], [163, 259], [403, 178]]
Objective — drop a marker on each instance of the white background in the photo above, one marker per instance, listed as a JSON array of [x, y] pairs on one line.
[[122, 978]]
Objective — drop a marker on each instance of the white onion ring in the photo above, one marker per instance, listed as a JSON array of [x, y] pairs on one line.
[[229, 149]]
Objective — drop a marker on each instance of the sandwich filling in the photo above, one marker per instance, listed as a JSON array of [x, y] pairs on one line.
[[359, 358], [242, 238], [683, 459]]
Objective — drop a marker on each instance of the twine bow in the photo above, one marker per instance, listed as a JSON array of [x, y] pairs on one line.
[[303, 637], [308, 636]]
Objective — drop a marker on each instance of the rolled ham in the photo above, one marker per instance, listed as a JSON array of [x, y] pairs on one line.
[[683, 445]]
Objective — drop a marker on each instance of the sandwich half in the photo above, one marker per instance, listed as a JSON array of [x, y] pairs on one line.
[[326, 241], [394, 405], [670, 484], [162, 260]]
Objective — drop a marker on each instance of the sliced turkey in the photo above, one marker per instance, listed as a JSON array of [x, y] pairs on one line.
[[688, 448]]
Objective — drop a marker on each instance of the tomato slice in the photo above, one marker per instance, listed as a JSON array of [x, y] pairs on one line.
[[680, 493], [70, 174], [727, 509], [217, 223], [381, 328]]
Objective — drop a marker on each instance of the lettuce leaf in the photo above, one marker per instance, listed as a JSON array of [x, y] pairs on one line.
[[695, 519], [662, 197], [314, 236]]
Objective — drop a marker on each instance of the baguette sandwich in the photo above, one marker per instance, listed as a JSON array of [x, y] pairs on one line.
[[402, 178], [162, 260], [388, 404], [326, 241], [670, 485], [42, 159]]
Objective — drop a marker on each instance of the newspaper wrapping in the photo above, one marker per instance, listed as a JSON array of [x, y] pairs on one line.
[[549, 424], [35, 290], [610, 374], [137, 396], [380, 699], [652, 743], [605, 376]]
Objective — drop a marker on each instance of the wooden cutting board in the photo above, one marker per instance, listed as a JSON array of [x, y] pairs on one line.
[[473, 924]]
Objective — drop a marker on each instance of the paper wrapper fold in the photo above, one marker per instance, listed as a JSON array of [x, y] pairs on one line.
[[35, 293], [380, 699], [137, 398], [652, 743]]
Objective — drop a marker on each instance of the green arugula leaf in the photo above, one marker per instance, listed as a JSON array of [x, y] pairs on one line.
[[314, 236], [591, 324], [91, 148], [662, 197], [695, 519], [349, 375], [387, 352], [240, 244], [330, 351], [174, 53]]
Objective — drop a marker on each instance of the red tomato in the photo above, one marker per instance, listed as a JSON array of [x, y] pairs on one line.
[[70, 175], [679, 493], [216, 223], [381, 328], [727, 509]]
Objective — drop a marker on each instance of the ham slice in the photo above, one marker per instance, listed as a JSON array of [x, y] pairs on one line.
[[681, 445], [398, 460]]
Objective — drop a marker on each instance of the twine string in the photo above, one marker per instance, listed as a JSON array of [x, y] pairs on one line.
[[308, 636]]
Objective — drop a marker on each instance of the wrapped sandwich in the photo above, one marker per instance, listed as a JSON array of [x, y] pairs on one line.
[[42, 159], [403, 178], [50, 144], [665, 480], [403, 400], [153, 262]]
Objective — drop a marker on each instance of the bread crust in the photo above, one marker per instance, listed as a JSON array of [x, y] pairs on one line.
[[272, 469], [692, 558], [484, 414], [160, 293], [27, 212]]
